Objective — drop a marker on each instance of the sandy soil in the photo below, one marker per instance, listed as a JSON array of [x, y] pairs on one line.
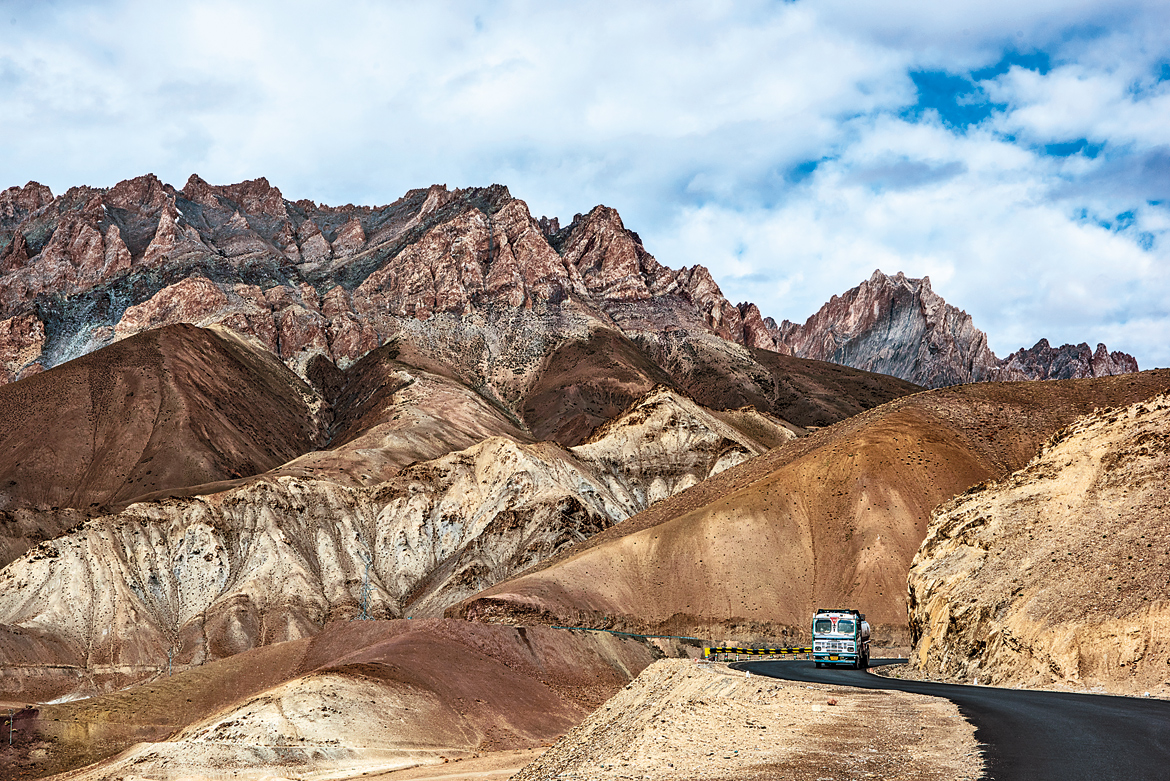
[[680, 719], [496, 766]]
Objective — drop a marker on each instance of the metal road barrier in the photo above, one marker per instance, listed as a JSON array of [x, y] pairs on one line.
[[709, 653]]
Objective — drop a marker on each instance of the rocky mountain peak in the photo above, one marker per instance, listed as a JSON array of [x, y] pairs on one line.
[[611, 263], [142, 195], [16, 203], [898, 325], [79, 262]]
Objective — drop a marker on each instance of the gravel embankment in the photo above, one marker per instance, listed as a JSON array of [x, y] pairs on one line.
[[680, 719]]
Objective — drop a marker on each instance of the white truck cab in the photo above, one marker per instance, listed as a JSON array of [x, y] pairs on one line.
[[840, 637]]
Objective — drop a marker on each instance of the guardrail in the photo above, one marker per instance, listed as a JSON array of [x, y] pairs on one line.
[[709, 653]]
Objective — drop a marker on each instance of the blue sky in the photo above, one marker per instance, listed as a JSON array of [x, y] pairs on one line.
[[1017, 153]]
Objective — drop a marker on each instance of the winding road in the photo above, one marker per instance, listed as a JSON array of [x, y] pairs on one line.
[[1030, 735]]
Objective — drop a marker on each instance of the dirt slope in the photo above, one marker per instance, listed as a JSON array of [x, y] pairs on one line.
[[388, 414], [360, 696], [162, 410], [833, 519], [1056, 575], [809, 393]]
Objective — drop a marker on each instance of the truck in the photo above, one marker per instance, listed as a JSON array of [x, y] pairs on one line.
[[840, 637]]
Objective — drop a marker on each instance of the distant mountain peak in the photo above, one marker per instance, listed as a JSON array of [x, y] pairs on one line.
[[898, 325]]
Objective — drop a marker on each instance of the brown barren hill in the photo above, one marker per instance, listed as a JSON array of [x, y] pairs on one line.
[[443, 690], [163, 410], [584, 383], [833, 519], [388, 414]]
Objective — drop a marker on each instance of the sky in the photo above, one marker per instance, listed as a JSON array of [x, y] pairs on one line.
[[1018, 153]]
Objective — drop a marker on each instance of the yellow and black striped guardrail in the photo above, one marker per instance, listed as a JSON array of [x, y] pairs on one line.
[[756, 651]]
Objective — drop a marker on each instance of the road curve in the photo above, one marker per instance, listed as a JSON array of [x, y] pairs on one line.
[[1031, 735]]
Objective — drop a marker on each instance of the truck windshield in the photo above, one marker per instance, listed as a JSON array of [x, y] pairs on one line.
[[822, 625], [845, 626]]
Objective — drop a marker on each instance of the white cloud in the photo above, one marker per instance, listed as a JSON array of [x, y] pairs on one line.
[[693, 119]]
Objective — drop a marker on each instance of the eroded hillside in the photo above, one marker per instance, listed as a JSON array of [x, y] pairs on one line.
[[1056, 575], [190, 579], [444, 690], [831, 519], [156, 412]]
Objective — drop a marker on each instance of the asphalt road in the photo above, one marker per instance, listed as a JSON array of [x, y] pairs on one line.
[[1031, 735]]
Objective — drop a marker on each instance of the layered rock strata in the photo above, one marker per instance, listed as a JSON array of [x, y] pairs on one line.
[[206, 577], [900, 326], [1056, 575]]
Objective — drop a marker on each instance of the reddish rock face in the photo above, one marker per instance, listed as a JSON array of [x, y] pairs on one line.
[[311, 280], [193, 300], [1044, 362], [16, 203], [21, 340]]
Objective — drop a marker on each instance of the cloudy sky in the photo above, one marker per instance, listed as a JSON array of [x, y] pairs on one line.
[[1018, 153]]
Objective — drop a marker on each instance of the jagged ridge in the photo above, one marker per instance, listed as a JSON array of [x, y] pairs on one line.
[[82, 269], [900, 326]]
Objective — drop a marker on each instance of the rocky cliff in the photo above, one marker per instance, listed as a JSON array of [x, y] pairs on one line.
[[900, 326], [92, 265], [1057, 574]]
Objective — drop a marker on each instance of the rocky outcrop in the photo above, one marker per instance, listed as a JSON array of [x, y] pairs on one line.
[[1055, 576], [95, 265], [274, 559], [1044, 362], [900, 326]]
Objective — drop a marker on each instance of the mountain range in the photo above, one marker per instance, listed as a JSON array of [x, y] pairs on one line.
[[80, 270], [232, 424]]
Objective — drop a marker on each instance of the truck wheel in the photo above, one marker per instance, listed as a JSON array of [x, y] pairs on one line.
[[819, 665]]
